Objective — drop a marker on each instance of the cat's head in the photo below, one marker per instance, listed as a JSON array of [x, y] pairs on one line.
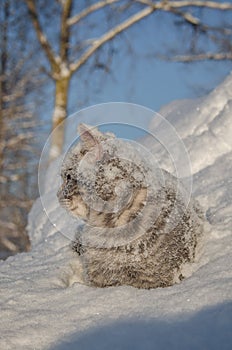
[[102, 184]]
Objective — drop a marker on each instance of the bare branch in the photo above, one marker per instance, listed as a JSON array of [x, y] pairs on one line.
[[19, 138], [88, 10], [53, 59], [197, 3], [9, 225], [204, 56], [8, 244], [110, 35], [17, 202], [188, 17], [167, 5], [65, 30]]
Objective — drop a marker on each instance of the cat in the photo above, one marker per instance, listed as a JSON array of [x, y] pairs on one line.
[[139, 228]]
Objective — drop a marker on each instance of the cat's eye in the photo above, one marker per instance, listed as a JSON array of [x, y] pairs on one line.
[[68, 177]]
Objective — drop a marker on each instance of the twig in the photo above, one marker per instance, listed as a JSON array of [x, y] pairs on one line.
[[203, 56], [88, 10], [110, 35]]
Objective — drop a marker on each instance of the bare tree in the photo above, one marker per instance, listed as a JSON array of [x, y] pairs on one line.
[[17, 124], [69, 58]]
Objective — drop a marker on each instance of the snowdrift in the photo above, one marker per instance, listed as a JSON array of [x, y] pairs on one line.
[[43, 308]]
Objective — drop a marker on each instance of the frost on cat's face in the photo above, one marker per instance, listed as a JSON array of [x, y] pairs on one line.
[[99, 186], [70, 192]]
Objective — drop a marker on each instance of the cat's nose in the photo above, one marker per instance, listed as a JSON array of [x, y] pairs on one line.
[[59, 193], [62, 193]]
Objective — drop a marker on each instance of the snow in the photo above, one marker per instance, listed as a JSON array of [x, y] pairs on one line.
[[43, 308]]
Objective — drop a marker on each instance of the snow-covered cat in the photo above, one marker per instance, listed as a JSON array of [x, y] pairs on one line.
[[140, 229]]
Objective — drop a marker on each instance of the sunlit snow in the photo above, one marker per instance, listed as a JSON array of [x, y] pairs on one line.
[[43, 308]]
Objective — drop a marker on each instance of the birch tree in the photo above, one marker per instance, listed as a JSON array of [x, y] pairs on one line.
[[17, 124], [68, 59]]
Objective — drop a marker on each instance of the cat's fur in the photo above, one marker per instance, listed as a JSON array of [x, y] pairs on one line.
[[139, 230]]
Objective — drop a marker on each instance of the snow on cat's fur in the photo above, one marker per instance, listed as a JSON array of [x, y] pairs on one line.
[[140, 228]]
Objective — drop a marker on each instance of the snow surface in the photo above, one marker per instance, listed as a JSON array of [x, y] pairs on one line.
[[42, 307]]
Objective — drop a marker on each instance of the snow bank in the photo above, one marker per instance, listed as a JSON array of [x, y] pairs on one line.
[[42, 307]]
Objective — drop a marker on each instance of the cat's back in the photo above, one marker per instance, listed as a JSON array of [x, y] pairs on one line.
[[164, 240]]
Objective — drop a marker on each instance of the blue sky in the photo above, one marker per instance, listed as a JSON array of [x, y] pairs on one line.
[[137, 75], [141, 77]]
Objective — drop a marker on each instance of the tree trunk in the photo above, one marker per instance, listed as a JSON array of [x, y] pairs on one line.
[[59, 115], [3, 74]]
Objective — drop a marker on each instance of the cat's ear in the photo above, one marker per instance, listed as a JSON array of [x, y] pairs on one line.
[[87, 136], [89, 139]]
